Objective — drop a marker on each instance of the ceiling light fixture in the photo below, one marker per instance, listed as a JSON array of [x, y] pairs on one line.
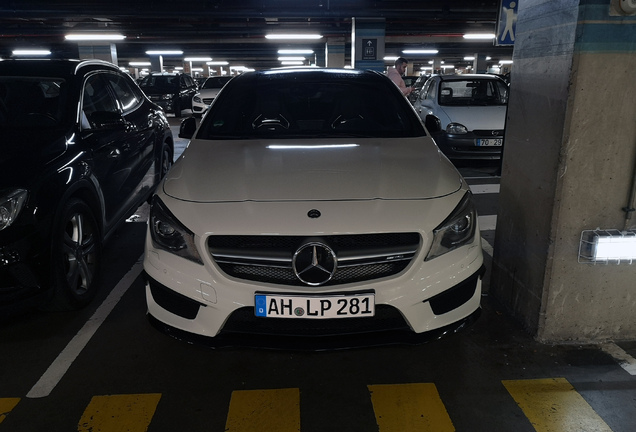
[[291, 58], [217, 63], [197, 59], [94, 37], [291, 63], [139, 63], [167, 52], [420, 51], [295, 51], [31, 52], [480, 36], [293, 36]]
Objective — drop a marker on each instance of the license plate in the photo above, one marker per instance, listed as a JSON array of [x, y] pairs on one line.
[[314, 307], [489, 142]]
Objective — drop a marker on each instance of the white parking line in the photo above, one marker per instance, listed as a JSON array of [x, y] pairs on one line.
[[626, 361], [62, 363], [487, 222], [485, 188]]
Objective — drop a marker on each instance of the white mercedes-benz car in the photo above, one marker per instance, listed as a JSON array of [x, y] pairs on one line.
[[311, 205], [211, 87]]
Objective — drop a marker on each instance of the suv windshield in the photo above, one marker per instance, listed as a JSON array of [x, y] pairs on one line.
[[309, 105], [473, 92], [31, 102], [215, 82], [167, 82]]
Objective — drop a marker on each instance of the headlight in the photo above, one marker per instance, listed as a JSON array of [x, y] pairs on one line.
[[456, 128], [167, 96], [10, 205], [457, 230], [169, 234], [197, 99]]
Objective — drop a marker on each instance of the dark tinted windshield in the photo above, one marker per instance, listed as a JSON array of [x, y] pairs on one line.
[[215, 82], [473, 92], [168, 82], [31, 102], [308, 105]]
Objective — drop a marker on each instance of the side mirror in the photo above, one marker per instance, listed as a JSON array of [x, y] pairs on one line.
[[100, 120], [188, 128], [433, 124]]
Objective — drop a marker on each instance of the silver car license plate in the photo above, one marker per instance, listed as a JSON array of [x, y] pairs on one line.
[[489, 142]]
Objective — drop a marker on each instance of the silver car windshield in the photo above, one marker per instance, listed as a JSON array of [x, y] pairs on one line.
[[34, 103], [480, 92]]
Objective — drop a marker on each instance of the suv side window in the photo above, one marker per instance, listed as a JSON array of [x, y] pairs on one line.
[[96, 98], [128, 97]]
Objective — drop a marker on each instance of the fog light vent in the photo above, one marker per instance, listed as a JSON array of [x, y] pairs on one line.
[[607, 246]]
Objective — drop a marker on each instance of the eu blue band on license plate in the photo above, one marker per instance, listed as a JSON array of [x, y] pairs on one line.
[[314, 307]]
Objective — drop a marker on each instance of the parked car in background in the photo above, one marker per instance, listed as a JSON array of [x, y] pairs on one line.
[[309, 203], [472, 114], [417, 87], [171, 91], [208, 91], [82, 149]]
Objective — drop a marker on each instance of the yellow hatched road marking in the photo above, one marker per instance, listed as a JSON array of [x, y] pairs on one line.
[[6, 405], [553, 405], [131, 413], [264, 411], [409, 407]]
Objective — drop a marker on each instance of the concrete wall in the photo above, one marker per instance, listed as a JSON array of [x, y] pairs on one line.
[[569, 162]]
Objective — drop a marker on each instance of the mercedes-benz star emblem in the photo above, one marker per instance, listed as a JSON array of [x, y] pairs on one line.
[[314, 263]]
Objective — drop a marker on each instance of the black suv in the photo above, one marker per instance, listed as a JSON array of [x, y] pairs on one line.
[[82, 149], [171, 91]]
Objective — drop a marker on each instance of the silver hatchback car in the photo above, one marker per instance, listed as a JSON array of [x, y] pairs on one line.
[[472, 113]]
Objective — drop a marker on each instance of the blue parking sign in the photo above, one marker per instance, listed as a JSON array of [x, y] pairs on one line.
[[507, 23]]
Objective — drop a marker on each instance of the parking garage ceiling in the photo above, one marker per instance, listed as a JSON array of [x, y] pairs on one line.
[[234, 30]]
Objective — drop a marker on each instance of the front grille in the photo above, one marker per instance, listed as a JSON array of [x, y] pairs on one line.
[[244, 321], [269, 259], [208, 101]]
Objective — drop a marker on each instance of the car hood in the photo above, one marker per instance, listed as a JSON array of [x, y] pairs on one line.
[[332, 169], [477, 117], [26, 153]]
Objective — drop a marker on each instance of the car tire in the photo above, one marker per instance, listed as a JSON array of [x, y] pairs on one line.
[[76, 257]]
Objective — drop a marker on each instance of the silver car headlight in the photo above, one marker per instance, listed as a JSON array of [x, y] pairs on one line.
[[169, 234], [197, 99], [457, 230], [456, 128], [11, 202]]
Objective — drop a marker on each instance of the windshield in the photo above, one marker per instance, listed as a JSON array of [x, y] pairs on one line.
[[215, 82], [167, 82], [308, 106], [479, 92], [27, 102]]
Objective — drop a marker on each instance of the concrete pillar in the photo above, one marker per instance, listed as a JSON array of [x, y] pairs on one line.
[[437, 66], [95, 50], [367, 43], [335, 52], [568, 166], [156, 63], [479, 64]]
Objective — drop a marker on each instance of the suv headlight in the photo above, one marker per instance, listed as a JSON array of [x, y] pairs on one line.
[[169, 234], [197, 99], [11, 202], [456, 128], [457, 230]]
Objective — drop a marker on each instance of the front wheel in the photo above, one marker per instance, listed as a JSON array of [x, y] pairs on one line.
[[76, 257]]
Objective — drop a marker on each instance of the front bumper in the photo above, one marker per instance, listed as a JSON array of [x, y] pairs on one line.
[[464, 147]]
